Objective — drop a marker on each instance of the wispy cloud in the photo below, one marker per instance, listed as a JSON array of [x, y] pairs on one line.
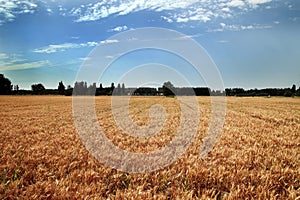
[[178, 10], [53, 48], [3, 56], [255, 3], [189, 37], [85, 59], [175, 10], [109, 57], [236, 27], [105, 8], [9, 10], [223, 41], [14, 62]]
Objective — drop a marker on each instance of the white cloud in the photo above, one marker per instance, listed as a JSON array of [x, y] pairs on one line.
[[189, 37], [169, 20], [9, 10], [109, 57], [118, 29], [258, 1], [49, 10], [14, 62], [89, 44], [22, 66], [11, 58], [226, 9], [236, 3], [3, 56], [235, 27], [175, 10], [109, 41], [85, 59], [106, 7], [180, 19], [53, 48]]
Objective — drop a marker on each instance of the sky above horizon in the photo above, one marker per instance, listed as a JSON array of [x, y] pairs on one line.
[[254, 43]]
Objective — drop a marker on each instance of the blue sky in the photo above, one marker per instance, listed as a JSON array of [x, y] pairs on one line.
[[254, 43]]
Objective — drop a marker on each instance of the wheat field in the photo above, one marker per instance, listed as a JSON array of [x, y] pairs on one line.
[[43, 157]]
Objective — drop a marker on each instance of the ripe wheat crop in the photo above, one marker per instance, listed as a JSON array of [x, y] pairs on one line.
[[257, 156]]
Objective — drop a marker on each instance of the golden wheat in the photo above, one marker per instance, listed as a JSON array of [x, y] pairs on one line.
[[257, 157]]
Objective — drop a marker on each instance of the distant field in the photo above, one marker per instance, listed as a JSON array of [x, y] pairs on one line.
[[257, 157]]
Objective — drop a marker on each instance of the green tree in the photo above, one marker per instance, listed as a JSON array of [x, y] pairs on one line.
[[168, 89], [5, 85], [298, 92], [69, 91], [61, 88], [38, 89], [294, 89], [288, 93], [112, 88]]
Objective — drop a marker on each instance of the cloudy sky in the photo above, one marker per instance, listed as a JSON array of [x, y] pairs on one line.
[[254, 43]]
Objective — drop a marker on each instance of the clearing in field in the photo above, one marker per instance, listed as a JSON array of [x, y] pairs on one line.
[[257, 157]]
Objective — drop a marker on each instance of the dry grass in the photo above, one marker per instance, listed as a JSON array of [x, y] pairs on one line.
[[258, 156]]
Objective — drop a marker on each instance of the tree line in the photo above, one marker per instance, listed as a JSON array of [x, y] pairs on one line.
[[286, 92], [167, 89]]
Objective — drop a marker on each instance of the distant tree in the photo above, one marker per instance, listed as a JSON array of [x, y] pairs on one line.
[[168, 89], [5, 85], [293, 90], [92, 89], [117, 90], [69, 91], [100, 90], [85, 86], [80, 88], [112, 88], [298, 92], [38, 89], [145, 91], [228, 91], [238, 91], [61, 88], [123, 89], [202, 91], [288, 93], [76, 89]]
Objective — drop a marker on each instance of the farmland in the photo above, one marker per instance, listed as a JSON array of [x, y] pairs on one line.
[[257, 156]]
